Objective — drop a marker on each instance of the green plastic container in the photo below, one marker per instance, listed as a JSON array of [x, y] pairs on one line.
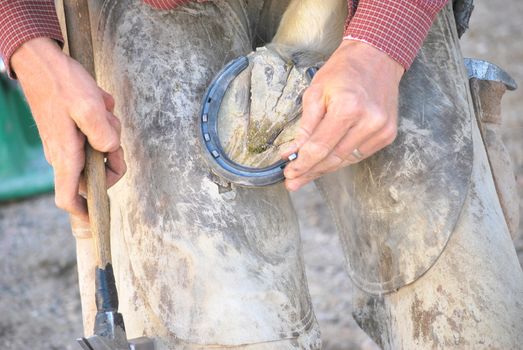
[[23, 169]]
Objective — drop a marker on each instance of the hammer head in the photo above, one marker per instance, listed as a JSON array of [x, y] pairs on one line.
[[110, 335], [109, 328], [98, 343]]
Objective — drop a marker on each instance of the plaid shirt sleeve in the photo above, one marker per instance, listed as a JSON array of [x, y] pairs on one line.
[[396, 27], [22, 20]]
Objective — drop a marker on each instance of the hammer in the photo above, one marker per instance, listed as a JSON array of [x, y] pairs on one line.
[[109, 328]]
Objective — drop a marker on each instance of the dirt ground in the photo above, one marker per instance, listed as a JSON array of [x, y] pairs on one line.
[[39, 301]]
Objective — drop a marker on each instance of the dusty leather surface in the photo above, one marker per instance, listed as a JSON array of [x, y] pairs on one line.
[[471, 298], [462, 12], [396, 210], [194, 264]]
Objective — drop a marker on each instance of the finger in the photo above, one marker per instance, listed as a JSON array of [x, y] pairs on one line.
[[92, 117], [328, 165], [332, 163], [115, 169], [295, 184], [69, 161], [115, 123], [115, 166], [325, 137], [314, 110], [374, 144], [47, 153], [362, 136], [356, 137], [108, 100]]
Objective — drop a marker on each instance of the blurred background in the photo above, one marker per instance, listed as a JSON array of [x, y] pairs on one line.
[[39, 298]]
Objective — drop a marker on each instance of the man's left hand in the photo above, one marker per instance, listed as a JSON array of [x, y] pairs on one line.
[[350, 111]]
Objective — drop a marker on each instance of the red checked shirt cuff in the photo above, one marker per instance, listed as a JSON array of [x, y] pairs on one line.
[[396, 27], [23, 20]]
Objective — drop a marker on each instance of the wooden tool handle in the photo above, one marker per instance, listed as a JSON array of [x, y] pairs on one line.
[[98, 205], [81, 49]]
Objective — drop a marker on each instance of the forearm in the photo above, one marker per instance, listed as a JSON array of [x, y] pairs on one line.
[[396, 27], [23, 20]]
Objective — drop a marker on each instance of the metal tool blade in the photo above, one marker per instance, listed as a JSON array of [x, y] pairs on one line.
[[96, 342], [484, 70]]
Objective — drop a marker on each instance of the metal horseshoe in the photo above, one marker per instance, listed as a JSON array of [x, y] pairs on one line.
[[215, 155]]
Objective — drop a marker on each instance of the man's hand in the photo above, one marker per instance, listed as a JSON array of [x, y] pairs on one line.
[[68, 106], [350, 105]]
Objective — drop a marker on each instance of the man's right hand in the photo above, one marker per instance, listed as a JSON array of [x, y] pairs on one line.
[[68, 106]]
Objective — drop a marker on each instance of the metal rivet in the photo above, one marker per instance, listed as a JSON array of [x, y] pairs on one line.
[[292, 157], [207, 137], [215, 154], [205, 118]]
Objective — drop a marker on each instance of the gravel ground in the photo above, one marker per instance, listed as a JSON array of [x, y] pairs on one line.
[[39, 303]]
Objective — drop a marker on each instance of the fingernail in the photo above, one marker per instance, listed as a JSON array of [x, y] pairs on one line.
[[291, 148]]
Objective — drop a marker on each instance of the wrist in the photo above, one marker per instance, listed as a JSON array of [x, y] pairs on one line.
[[372, 56], [35, 55]]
